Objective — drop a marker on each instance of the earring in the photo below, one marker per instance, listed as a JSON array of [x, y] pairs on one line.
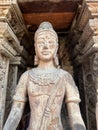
[[36, 60], [56, 61]]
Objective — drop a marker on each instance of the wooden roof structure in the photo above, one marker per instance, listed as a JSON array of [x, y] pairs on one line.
[[59, 12]]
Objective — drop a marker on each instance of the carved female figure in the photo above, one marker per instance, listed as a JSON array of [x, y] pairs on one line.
[[46, 85]]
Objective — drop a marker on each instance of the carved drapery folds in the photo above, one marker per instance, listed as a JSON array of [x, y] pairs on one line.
[[12, 29], [83, 45]]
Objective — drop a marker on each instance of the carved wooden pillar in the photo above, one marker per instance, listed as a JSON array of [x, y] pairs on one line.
[[83, 45], [12, 73], [95, 69], [4, 66], [90, 91], [5, 56], [14, 68], [97, 109], [7, 52]]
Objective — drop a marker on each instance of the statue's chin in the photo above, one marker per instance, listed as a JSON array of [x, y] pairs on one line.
[[46, 59]]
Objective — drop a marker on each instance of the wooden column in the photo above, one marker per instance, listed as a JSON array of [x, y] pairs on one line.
[[83, 45], [4, 66], [95, 69], [14, 67], [5, 56]]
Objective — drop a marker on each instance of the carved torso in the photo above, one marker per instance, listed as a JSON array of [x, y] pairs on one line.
[[40, 87]]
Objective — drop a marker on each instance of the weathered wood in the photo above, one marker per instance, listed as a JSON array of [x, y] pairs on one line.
[[90, 30], [42, 8], [7, 14], [82, 58], [6, 49], [53, 1], [4, 66], [93, 6], [11, 86], [35, 19], [7, 32], [15, 20], [47, 6], [2, 2], [24, 54], [90, 91], [18, 61], [87, 32], [83, 18], [89, 11], [95, 71], [83, 47]]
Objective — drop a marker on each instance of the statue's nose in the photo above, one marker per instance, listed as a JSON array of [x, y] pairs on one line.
[[46, 44]]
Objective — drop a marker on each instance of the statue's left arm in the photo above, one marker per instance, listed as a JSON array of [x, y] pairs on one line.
[[72, 100]]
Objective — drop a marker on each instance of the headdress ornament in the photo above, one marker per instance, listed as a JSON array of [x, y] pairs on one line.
[[45, 26]]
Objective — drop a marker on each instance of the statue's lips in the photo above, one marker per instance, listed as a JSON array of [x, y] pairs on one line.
[[45, 52]]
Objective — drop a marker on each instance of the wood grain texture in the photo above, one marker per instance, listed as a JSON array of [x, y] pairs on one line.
[[45, 6], [60, 21]]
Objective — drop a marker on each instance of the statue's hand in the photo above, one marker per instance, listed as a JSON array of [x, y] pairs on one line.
[[47, 112]]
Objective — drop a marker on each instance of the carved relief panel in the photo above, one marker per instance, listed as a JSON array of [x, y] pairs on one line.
[[90, 92], [4, 65]]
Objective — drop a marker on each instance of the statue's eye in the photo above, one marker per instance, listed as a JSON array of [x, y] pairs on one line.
[[40, 42], [52, 42]]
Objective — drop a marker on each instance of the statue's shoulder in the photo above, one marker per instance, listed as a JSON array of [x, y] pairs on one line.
[[64, 72], [26, 73]]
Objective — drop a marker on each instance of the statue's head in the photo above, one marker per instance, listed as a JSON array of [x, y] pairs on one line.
[[46, 43]]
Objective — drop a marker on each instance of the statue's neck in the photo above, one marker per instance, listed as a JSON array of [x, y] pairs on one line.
[[46, 64]]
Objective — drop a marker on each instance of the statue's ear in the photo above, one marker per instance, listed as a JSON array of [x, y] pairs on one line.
[[57, 47], [35, 47]]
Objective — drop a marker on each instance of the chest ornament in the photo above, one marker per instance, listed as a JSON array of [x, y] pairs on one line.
[[44, 77]]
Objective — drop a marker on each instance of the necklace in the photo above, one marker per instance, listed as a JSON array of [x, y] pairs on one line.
[[44, 77]]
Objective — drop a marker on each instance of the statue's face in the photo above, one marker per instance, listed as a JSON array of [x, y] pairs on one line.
[[46, 46]]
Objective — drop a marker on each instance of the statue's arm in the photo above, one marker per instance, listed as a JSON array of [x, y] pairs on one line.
[[75, 118], [72, 100], [14, 116], [18, 104]]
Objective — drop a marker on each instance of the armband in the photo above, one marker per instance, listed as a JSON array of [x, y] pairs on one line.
[[19, 98]]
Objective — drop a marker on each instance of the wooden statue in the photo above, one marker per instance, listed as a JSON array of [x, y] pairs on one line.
[[46, 85]]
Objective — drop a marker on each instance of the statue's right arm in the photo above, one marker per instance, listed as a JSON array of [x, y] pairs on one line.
[[18, 104], [14, 116]]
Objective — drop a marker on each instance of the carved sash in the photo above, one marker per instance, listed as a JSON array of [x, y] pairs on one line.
[[45, 120]]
